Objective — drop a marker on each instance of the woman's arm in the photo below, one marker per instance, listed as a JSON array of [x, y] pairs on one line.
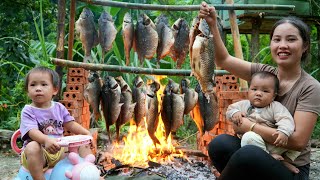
[[304, 122], [223, 59]]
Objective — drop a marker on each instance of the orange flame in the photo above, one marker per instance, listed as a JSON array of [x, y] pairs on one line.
[[139, 148]]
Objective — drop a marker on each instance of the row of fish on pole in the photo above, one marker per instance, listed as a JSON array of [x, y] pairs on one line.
[[120, 104], [146, 38]]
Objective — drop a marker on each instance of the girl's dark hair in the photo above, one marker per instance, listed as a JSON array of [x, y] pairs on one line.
[[303, 29], [54, 76], [266, 74]]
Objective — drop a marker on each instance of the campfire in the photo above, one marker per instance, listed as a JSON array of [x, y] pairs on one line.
[[137, 152]]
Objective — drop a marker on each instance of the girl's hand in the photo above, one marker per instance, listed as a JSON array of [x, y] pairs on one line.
[[51, 145], [208, 13]]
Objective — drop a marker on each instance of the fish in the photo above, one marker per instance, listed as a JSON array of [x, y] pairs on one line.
[[127, 108], [209, 109], [167, 107], [202, 60], [92, 94], [127, 35], [180, 47], [166, 39], [177, 112], [190, 95], [111, 106], [85, 28], [107, 32], [139, 97], [194, 31], [146, 38], [152, 114]]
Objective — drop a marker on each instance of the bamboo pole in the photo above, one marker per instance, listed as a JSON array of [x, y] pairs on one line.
[[128, 69], [236, 42], [189, 7]]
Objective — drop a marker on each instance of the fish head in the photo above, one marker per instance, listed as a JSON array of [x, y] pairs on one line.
[[154, 86], [93, 75], [138, 82], [127, 18], [184, 85], [110, 82], [105, 17], [86, 13], [198, 88], [123, 84], [161, 19], [204, 28]]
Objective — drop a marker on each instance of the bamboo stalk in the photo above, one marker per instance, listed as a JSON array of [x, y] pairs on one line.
[[71, 28], [236, 42], [128, 69], [189, 7]]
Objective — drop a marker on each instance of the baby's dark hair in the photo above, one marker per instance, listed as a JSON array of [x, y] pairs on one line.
[[266, 74], [54, 76]]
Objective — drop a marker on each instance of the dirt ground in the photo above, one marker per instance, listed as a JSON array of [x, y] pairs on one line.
[[9, 165]]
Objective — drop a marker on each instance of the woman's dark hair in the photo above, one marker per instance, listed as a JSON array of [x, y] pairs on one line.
[[54, 76], [265, 75], [303, 29]]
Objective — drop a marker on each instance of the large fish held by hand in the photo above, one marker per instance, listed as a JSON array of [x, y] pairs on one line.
[[180, 47], [127, 108], [92, 94], [107, 32], [152, 114], [111, 106], [87, 32], [202, 56], [127, 35], [146, 38]]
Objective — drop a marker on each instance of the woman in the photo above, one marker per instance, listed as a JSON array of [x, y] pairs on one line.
[[299, 92]]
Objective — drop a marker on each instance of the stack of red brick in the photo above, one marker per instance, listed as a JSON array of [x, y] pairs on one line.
[[227, 89], [73, 96]]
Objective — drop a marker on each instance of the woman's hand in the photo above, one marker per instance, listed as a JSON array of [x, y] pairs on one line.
[[208, 13]]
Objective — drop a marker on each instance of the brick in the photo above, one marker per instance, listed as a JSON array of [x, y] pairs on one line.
[[80, 103], [94, 133], [70, 104], [76, 80], [85, 110], [78, 120], [232, 95], [229, 79], [224, 103], [72, 96], [76, 72], [230, 87], [74, 87], [74, 112]]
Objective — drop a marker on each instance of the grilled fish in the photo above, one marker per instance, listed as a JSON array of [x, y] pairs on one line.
[[146, 38], [127, 35], [180, 47], [87, 32], [190, 95], [111, 106], [152, 114], [92, 94], [202, 60], [107, 32], [127, 108], [166, 39], [139, 97]]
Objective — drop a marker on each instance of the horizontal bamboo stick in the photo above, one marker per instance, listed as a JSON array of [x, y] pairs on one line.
[[128, 69], [189, 7]]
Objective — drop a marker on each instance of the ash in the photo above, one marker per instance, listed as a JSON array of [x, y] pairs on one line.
[[181, 170]]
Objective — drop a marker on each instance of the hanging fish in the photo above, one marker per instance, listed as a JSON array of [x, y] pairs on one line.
[[180, 47], [92, 94], [146, 38], [166, 39], [87, 32], [127, 35], [139, 97], [127, 108], [111, 106], [190, 95], [152, 114], [107, 32]]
